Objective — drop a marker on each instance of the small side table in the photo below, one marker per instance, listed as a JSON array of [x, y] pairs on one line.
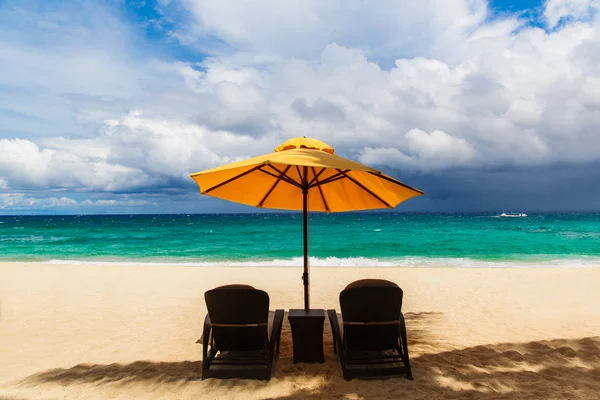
[[307, 334]]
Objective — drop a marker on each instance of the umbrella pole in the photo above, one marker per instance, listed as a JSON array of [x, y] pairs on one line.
[[305, 223]]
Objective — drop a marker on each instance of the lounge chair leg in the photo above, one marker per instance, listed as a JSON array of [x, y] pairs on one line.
[[334, 328], [334, 345], [406, 359], [345, 375], [404, 339]]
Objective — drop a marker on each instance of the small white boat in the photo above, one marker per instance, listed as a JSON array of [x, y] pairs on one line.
[[513, 215]]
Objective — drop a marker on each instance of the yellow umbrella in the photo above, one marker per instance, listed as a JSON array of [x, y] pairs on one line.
[[304, 174]]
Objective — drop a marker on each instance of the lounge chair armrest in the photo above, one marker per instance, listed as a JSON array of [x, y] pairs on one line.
[[276, 331], [335, 330]]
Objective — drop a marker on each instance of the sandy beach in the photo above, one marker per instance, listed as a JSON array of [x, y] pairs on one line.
[[124, 331]]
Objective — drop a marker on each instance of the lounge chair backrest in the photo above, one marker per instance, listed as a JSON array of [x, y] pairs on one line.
[[239, 315], [370, 311]]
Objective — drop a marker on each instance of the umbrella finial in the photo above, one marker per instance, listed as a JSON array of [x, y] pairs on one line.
[[305, 143]]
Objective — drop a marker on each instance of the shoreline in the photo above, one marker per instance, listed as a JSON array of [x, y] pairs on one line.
[[99, 331], [335, 262]]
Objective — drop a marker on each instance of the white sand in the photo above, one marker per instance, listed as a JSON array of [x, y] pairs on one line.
[[122, 332]]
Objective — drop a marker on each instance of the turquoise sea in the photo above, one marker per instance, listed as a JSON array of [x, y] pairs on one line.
[[345, 239]]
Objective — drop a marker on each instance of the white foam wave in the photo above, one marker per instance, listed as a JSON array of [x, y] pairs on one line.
[[358, 262]]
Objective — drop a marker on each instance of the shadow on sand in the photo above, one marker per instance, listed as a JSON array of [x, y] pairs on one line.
[[541, 369]]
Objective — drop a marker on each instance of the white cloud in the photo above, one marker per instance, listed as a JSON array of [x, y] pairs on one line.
[[438, 147], [136, 152], [115, 203], [20, 201], [578, 9], [301, 29], [524, 113], [24, 164], [66, 67], [429, 87], [425, 151]]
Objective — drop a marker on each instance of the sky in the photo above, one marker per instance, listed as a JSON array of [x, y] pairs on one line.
[[107, 106]]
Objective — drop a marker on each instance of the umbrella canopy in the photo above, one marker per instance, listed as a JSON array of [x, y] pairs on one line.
[[304, 174]]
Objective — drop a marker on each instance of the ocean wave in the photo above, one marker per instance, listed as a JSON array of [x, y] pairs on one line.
[[357, 262], [32, 239], [580, 235]]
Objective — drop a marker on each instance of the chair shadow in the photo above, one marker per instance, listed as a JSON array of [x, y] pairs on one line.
[[561, 368], [185, 371]]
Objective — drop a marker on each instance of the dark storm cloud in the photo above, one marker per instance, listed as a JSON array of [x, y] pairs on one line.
[[549, 188]]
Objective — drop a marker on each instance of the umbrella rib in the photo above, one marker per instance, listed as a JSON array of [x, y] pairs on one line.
[[363, 187], [387, 178], [232, 179], [273, 187], [332, 178], [329, 180], [284, 178], [314, 179], [319, 187], [303, 179]]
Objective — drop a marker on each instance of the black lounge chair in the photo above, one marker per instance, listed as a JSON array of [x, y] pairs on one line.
[[235, 339], [373, 341]]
